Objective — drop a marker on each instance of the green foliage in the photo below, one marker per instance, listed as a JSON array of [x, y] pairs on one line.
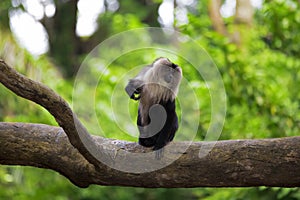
[[282, 21], [4, 7], [254, 77], [32, 183], [255, 82]]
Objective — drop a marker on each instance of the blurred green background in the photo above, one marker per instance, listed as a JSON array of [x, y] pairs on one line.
[[255, 45]]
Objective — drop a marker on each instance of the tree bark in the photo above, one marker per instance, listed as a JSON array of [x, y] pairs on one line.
[[239, 163], [242, 21], [64, 43], [214, 7], [244, 12], [85, 159]]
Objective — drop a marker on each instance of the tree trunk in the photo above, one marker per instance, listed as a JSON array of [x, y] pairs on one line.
[[63, 41], [243, 12], [215, 16], [242, 21]]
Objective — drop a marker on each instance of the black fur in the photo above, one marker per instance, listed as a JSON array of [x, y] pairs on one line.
[[167, 133]]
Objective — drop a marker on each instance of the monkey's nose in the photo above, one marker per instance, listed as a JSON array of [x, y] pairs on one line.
[[174, 66]]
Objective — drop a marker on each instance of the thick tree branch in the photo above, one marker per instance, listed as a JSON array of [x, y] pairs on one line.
[[240, 163]]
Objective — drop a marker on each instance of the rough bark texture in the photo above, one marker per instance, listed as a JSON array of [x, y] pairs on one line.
[[86, 159], [239, 163]]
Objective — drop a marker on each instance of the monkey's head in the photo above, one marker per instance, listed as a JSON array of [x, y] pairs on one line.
[[165, 73], [158, 81]]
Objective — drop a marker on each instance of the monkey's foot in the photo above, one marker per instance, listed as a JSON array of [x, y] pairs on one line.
[[159, 154]]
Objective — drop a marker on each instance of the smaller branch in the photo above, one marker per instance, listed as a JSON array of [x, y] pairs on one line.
[[56, 105]]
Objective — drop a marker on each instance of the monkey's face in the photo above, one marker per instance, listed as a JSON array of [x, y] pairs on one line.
[[167, 73]]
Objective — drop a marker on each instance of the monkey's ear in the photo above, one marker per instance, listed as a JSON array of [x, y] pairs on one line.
[[134, 88]]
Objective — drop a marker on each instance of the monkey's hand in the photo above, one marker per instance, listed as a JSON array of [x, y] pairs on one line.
[[136, 94], [134, 88]]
